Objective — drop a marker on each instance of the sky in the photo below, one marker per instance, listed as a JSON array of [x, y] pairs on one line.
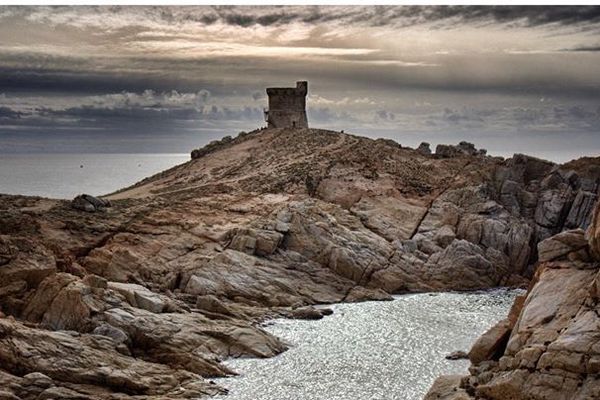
[[169, 79]]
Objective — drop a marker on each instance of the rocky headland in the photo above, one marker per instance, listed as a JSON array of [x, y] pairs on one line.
[[143, 293]]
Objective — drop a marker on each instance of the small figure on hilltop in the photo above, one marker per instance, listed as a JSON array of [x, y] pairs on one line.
[[287, 107]]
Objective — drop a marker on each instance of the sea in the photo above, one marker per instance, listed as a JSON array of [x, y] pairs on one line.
[[64, 176], [370, 351]]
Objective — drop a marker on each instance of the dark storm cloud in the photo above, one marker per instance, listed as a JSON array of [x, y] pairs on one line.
[[95, 113], [247, 16], [585, 48], [266, 16], [513, 74], [112, 115], [88, 81], [138, 110], [154, 112], [533, 15]]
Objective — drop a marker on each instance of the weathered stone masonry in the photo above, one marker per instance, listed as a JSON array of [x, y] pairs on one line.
[[287, 107]]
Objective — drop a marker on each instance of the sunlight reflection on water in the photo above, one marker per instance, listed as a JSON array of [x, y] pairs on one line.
[[374, 350]]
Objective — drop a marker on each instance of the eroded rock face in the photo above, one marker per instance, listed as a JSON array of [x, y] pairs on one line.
[[152, 293], [87, 359], [548, 347]]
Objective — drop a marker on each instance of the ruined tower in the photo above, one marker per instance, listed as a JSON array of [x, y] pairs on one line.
[[287, 107]]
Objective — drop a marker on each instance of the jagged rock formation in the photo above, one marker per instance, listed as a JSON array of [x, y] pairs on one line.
[[147, 297], [448, 150], [547, 348]]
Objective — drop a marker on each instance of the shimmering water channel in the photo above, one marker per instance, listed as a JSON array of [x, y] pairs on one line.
[[370, 351]]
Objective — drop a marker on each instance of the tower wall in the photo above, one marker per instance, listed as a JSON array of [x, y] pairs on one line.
[[287, 107]]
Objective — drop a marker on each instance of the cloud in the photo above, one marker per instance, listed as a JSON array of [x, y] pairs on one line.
[[110, 109], [318, 100], [250, 17], [584, 48], [196, 49], [327, 115], [395, 63], [421, 69], [397, 15], [514, 119], [8, 113], [385, 115], [530, 15], [259, 95]]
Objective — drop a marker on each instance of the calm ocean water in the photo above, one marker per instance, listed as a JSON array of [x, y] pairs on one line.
[[67, 175], [370, 351]]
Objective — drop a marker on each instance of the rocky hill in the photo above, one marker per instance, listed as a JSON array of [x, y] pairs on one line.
[[148, 296]]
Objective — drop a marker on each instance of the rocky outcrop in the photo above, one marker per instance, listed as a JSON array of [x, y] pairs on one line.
[[68, 361], [180, 271], [461, 149], [424, 149], [211, 147], [548, 347], [88, 203], [551, 198]]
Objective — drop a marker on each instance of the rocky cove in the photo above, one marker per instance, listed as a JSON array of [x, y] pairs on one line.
[[146, 293], [370, 350]]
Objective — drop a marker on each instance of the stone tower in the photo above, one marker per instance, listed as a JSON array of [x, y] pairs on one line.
[[287, 107]]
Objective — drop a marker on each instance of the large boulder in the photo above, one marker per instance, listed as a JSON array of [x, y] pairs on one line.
[[491, 345], [141, 297], [261, 242], [447, 387], [563, 244], [86, 202], [24, 263], [424, 149], [23, 259], [63, 301]]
